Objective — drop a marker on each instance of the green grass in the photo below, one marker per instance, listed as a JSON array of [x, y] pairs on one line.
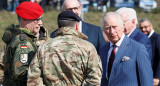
[[94, 17]]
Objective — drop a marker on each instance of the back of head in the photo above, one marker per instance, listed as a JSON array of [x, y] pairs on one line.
[[67, 19], [130, 13]]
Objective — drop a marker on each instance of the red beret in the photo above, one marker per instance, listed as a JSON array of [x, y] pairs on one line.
[[29, 10]]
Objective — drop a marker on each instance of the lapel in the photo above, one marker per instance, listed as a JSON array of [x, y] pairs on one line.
[[105, 59], [153, 35], [122, 49], [105, 50]]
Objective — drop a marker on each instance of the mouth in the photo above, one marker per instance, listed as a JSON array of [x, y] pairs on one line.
[[144, 32], [113, 37]]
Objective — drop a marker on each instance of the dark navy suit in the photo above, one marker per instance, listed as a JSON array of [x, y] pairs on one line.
[[94, 34], [140, 37], [155, 40], [136, 71]]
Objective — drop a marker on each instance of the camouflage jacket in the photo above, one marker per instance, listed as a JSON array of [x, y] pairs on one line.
[[20, 49], [66, 60]]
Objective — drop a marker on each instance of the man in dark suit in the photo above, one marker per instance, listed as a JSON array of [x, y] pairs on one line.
[[93, 32], [129, 17], [125, 61], [147, 28]]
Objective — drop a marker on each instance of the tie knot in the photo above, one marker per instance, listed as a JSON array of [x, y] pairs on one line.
[[114, 46]]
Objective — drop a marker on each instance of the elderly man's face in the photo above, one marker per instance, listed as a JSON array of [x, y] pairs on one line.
[[113, 29], [72, 5], [145, 27], [33, 25], [128, 24]]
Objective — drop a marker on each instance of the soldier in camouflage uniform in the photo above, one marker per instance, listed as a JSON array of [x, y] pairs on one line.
[[21, 43], [66, 60]]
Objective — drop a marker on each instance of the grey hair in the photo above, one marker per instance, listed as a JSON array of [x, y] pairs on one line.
[[131, 13], [145, 19], [110, 14]]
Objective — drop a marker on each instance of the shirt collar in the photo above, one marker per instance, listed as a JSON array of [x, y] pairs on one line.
[[119, 42], [152, 31], [131, 32], [80, 26]]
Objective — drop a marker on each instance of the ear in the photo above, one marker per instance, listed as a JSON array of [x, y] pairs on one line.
[[123, 27], [151, 27], [23, 21], [77, 26], [133, 21]]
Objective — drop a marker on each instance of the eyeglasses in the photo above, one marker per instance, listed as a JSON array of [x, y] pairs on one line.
[[71, 9], [144, 27], [38, 19]]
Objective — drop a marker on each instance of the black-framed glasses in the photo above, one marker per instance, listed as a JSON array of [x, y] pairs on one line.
[[38, 19], [146, 26]]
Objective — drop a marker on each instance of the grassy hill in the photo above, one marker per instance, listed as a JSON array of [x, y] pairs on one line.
[[94, 17]]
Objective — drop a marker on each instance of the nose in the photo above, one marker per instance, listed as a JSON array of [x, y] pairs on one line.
[[112, 30], [40, 22], [143, 29]]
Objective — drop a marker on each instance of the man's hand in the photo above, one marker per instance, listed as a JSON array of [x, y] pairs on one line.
[[155, 81]]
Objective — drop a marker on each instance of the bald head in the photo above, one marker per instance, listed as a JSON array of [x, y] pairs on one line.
[[72, 5]]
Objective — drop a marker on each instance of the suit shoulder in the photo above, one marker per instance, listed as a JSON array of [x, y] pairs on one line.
[[91, 26], [135, 43], [157, 38]]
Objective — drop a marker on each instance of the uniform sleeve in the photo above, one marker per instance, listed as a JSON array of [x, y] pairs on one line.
[[34, 72], [144, 68], [94, 69], [22, 57], [1, 67]]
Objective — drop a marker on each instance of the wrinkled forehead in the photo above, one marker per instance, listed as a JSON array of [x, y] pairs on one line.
[[71, 4]]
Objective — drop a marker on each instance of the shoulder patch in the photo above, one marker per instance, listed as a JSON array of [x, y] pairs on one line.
[[23, 58]]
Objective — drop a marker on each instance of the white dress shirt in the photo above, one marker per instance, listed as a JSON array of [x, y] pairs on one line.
[[152, 31]]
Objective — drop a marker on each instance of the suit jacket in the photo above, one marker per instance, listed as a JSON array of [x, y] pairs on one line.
[[140, 37], [155, 40], [135, 71], [94, 34]]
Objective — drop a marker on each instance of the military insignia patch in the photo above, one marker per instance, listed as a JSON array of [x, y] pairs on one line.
[[24, 58]]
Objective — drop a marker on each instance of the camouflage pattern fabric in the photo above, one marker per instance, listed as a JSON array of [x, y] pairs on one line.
[[66, 60], [1, 67], [20, 49]]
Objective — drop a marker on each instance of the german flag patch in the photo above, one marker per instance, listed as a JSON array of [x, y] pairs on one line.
[[24, 46]]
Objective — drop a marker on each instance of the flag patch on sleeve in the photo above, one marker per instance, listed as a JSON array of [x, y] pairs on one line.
[[24, 46]]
